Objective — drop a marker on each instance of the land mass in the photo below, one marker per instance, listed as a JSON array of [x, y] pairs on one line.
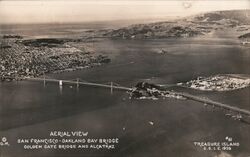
[[226, 82], [245, 36], [21, 58], [187, 27]]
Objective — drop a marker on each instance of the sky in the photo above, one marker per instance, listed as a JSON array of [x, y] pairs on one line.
[[67, 11]]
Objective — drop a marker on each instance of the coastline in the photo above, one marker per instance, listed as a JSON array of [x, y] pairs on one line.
[[36, 57]]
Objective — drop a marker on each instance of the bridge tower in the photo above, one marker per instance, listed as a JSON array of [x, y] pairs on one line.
[[60, 83], [123, 35], [44, 80], [111, 87], [77, 83]]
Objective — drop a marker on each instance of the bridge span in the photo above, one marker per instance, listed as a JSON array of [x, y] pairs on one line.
[[78, 82], [214, 103], [113, 85]]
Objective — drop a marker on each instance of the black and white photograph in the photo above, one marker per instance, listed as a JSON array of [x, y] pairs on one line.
[[124, 78]]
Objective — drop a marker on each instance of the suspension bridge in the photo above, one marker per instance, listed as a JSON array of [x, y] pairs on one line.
[[78, 82], [113, 85]]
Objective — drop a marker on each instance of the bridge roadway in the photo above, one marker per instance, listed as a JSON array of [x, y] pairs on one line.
[[80, 83], [214, 103], [186, 95]]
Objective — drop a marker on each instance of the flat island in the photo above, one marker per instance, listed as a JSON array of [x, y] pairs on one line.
[[225, 82]]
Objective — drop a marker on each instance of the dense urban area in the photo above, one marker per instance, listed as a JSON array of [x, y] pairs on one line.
[[218, 83], [21, 58]]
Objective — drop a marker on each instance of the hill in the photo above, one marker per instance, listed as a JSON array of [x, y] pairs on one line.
[[186, 27], [245, 36], [232, 17]]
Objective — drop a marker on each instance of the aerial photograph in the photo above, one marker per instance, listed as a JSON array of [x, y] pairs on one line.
[[124, 78]]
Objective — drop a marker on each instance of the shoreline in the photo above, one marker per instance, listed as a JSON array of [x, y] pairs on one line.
[[36, 57]]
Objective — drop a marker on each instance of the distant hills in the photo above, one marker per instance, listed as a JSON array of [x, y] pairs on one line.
[[187, 27], [225, 17], [245, 36]]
